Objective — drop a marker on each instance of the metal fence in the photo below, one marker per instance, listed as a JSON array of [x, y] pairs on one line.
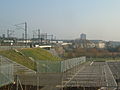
[[58, 66], [52, 73], [6, 73], [12, 47]]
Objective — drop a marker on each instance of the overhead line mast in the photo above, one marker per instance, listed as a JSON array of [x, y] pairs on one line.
[[25, 30]]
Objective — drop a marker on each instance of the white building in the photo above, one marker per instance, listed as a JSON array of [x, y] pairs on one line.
[[100, 44], [91, 45]]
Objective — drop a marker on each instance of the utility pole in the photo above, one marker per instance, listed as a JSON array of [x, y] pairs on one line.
[[38, 81], [8, 35], [33, 36], [23, 36], [39, 36], [26, 33], [18, 26], [46, 37], [51, 37]]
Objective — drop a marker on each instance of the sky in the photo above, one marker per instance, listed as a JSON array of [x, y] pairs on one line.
[[65, 19]]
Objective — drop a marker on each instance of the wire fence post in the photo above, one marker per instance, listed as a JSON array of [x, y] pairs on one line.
[[37, 81]]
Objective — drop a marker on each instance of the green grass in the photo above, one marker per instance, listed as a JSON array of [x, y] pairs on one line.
[[38, 54], [22, 57], [11, 54]]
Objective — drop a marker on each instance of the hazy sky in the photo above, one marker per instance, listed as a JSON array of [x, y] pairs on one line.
[[66, 19]]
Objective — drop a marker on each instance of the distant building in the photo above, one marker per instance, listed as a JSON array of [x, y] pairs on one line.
[[100, 45], [83, 36], [91, 45], [113, 44]]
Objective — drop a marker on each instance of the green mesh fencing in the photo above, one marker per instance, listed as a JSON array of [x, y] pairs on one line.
[[48, 66], [70, 63], [58, 66], [6, 74]]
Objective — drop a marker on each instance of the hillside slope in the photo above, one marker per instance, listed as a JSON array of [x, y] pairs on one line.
[[38, 54], [23, 56]]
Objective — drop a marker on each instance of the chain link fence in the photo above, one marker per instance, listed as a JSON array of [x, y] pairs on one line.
[[45, 66], [6, 73]]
